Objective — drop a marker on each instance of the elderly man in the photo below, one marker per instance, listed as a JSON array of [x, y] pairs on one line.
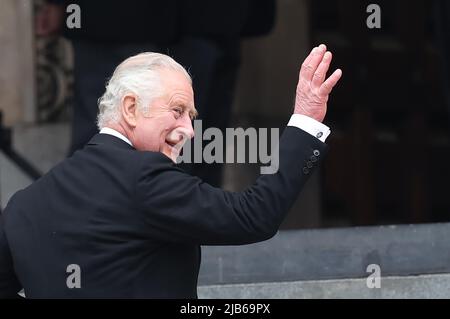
[[120, 219]]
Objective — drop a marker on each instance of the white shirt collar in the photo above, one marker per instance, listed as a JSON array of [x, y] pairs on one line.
[[110, 131]]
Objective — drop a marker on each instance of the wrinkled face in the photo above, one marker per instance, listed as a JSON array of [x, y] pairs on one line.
[[167, 124]]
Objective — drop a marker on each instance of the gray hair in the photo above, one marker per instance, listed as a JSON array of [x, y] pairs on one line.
[[138, 75]]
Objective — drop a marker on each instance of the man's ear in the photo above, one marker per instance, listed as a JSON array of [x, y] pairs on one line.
[[129, 109]]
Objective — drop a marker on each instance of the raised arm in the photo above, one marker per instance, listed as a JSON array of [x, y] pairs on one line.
[[178, 207]]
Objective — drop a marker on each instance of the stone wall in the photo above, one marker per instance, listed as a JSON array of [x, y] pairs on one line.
[[413, 261]]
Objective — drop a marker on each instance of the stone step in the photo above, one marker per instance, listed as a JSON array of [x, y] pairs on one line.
[[336, 253], [407, 287]]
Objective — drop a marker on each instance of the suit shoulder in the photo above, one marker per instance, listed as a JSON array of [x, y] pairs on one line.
[[155, 161], [155, 158], [10, 206]]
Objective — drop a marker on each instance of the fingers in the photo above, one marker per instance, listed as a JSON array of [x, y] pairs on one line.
[[311, 63], [315, 68], [308, 58], [322, 69], [328, 85]]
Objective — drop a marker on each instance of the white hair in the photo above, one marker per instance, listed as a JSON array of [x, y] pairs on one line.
[[138, 75]]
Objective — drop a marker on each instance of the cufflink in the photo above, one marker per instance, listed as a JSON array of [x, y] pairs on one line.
[[316, 152], [319, 135]]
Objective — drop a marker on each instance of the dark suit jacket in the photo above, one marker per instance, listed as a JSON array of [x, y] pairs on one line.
[[134, 222]]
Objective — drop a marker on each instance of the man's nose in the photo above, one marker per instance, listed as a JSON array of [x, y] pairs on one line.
[[187, 128], [182, 133]]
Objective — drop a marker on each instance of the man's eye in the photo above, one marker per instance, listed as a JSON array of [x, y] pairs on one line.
[[179, 111]]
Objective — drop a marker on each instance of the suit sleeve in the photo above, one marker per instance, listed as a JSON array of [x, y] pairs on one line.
[[9, 284], [178, 207]]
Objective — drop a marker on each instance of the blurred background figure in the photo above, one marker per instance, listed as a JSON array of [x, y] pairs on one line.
[[203, 36], [210, 48]]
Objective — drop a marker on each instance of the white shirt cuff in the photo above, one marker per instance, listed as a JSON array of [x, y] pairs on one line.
[[310, 125]]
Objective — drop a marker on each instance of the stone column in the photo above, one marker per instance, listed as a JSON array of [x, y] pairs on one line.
[[17, 84]]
